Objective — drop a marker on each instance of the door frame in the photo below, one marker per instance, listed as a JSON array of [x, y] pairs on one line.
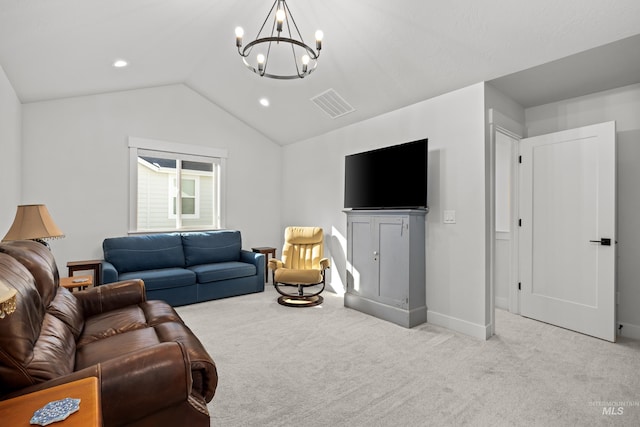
[[499, 123]]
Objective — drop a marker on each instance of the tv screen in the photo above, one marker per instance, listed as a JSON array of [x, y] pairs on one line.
[[387, 178]]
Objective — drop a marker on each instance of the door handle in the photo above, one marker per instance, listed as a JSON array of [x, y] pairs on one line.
[[604, 241]]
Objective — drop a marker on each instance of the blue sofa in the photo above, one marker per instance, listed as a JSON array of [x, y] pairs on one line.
[[185, 268]]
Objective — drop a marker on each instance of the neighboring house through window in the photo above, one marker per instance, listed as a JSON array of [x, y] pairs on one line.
[[190, 196], [175, 186]]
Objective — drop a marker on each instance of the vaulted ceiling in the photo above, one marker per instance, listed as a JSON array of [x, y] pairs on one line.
[[378, 55]]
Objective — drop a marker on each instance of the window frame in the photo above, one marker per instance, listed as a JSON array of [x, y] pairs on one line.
[[188, 151]]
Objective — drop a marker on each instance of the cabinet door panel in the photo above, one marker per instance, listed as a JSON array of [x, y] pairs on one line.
[[393, 261], [361, 270]]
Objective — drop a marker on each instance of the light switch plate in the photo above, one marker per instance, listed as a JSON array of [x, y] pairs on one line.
[[449, 217]]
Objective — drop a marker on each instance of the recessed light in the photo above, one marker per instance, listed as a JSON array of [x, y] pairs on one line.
[[120, 63], [264, 102]]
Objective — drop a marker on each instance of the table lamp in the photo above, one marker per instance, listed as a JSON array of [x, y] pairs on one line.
[[33, 222]]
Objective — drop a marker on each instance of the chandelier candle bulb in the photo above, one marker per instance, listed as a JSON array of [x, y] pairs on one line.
[[280, 15], [239, 34], [305, 63], [319, 37], [261, 60]]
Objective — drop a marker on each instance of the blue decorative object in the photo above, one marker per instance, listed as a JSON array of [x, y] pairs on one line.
[[55, 411]]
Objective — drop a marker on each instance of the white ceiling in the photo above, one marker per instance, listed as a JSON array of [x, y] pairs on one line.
[[378, 55], [602, 68]]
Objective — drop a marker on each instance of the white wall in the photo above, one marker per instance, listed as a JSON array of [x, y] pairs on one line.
[[623, 106], [10, 134], [313, 180], [76, 162]]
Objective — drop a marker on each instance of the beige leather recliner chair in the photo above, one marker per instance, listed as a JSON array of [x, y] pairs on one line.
[[302, 267]]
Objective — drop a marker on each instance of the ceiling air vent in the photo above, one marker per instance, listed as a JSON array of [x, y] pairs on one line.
[[333, 104]]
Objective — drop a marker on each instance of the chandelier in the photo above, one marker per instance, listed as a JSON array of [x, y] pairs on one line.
[[275, 49]]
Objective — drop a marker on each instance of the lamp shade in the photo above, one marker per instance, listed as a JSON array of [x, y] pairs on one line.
[[7, 300], [32, 222]]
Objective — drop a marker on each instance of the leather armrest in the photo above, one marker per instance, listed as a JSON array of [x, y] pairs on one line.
[[108, 297], [137, 384], [324, 263], [275, 264]]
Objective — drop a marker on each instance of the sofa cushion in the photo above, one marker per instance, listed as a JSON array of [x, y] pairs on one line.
[[162, 278], [114, 346], [144, 252], [140, 316], [222, 271], [211, 246], [113, 322], [54, 352], [68, 309]]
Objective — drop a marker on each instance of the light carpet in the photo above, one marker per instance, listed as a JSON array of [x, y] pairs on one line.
[[334, 366]]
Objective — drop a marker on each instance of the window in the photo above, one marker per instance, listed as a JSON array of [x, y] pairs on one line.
[[173, 188], [190, 198]]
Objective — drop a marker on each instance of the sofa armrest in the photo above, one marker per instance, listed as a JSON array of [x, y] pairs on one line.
[[324, 263], [254, 258], [109, 272], [162, 378], [138, 384], [104, 298]]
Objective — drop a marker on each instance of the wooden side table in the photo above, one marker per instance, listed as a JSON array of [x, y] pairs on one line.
[[81, 282], [17, 412], [93, 264], [265, 250]]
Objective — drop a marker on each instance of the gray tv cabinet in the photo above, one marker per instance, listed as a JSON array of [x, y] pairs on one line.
[[386, 264]]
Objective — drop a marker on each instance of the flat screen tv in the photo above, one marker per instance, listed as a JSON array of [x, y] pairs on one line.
[[393, 177]]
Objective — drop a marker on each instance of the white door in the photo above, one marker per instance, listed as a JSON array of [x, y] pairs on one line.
[[567, 232], [506, 157]]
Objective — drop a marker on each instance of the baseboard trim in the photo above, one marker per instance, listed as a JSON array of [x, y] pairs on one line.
[[402, 317], [629, 330], [481, 332], [502, 303]]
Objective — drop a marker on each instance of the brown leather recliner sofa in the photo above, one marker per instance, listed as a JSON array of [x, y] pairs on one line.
[[151, 369]]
